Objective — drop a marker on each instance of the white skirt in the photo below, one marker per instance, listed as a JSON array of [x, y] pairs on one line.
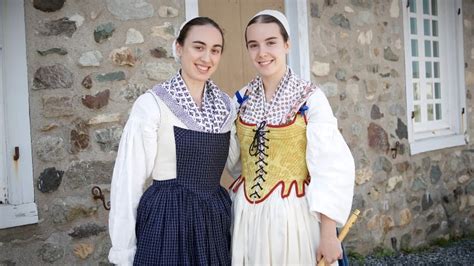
[[277, 231]]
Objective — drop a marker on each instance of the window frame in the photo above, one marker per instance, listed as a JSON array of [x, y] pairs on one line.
[[19, 208], [452, 131]]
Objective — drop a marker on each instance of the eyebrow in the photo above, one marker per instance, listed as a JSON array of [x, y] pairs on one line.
[[267, 39], [203, 43]]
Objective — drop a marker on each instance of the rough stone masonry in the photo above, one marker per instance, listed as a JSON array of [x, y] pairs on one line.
[[89, 60]]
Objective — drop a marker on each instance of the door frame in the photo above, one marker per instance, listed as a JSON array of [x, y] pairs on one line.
[[3, 151], [19, 208], [297, 15]]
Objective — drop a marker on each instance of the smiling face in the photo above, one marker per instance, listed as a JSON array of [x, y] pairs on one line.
[[200, 54], [267, 49]]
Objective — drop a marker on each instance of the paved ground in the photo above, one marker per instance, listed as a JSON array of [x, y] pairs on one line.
[[457, 253]]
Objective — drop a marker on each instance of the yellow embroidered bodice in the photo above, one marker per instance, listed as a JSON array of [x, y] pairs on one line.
[[272, 156]]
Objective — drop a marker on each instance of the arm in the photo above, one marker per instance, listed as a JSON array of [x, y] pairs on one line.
[[134, 164], [331, 166], [329, 246], [233, 164]]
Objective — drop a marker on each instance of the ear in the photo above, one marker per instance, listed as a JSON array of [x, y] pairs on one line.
[[287, 46], [179, 49]]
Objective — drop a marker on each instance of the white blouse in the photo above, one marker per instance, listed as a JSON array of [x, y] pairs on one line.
[[329, 160], [147, 149]]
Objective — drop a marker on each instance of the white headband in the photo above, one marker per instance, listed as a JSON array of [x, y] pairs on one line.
[[175, 55], [278, 15]]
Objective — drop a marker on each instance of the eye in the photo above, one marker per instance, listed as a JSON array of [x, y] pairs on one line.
[[199, 48], [271, 43], [216, 51], [253, 45]]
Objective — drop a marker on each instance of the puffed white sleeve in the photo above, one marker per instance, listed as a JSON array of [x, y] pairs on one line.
[[133, 165], [330, 162], [234, 165]]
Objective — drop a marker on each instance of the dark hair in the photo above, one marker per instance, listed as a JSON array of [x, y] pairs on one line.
[[267, 19], [198, 21]]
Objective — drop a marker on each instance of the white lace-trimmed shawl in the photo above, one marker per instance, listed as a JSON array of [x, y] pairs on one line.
[[291, 94], [215, 111]]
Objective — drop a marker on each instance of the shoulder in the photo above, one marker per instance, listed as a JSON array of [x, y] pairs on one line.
[[319, 107], [317, 96], [145, 107], [147, 99]]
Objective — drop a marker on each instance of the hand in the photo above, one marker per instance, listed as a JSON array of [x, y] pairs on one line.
[[329, 250]]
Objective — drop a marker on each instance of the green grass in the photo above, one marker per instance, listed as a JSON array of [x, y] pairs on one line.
[[355, 257], [443, 242], [380, 252], [439, 242]]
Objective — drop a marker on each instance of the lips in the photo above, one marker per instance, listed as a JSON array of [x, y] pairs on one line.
[[265, 63], [202, 69]]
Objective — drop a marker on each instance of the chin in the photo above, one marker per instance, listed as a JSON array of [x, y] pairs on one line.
[[203, 78], [266, 72]]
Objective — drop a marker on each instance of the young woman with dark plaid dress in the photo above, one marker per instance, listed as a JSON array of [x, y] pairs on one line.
[[177, 134], [295, 171]]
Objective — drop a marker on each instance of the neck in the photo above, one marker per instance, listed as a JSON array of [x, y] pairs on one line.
[[270, 84]]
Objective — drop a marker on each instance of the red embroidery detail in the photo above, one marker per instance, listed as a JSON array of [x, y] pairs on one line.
[[294, 183]]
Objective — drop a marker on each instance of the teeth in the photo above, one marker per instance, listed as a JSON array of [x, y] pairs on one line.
[[265, 63], [203, 68]]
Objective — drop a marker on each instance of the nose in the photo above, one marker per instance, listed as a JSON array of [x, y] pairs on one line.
[[261, 52], [206, 56]]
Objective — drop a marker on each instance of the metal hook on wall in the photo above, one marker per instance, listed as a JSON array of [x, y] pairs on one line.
[[394, 150], [97, 193]]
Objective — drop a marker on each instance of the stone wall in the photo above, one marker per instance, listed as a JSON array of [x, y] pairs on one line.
[[357, 54], [89, 60]]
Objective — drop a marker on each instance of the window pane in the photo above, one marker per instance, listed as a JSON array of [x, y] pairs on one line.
[[426, 7], [427, 48], [416, 91], [435, 28], [413, 6], [434, 7], [413, 26], [415, 70], [426, 27], [435, 49], [429, 90], [436, 69], [414, 48], [417, 112], [430, 112], [428, 69], [437, 90], [438, 111]]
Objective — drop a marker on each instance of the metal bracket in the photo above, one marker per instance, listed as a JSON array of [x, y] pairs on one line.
[[16, 155], [394, 150], [97, 193]]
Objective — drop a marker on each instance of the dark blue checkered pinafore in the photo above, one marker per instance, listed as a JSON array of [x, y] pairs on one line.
[[186, 221]]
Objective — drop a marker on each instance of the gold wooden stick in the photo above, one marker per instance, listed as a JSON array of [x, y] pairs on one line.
[[345, 229]]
